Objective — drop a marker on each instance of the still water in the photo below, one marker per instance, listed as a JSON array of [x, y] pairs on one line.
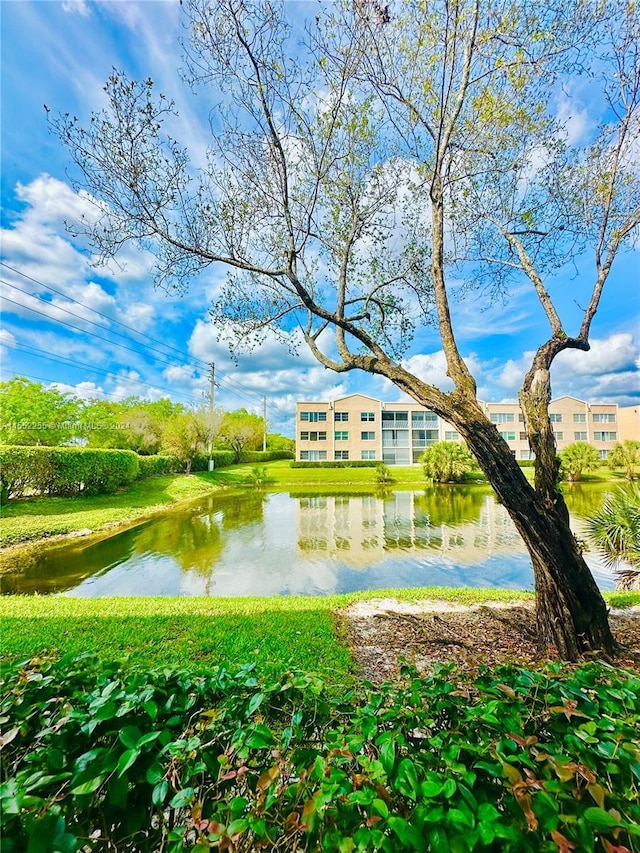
[[257, 543]]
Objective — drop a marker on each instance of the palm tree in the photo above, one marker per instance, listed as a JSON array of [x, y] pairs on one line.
[[615, 531]]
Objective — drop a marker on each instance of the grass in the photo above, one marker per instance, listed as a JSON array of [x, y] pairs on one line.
[[42, 517], [279, 633]]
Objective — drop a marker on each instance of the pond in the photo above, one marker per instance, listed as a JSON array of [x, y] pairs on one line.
[[261, 543]]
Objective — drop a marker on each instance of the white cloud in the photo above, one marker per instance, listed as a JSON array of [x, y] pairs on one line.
[[78, 7], [5, 338], [608, 372], [574, 117]]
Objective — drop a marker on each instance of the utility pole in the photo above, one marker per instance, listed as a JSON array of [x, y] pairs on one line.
[[264, 418], [212, 374]]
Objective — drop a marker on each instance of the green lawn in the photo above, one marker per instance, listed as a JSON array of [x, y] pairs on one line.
[[278, 633]]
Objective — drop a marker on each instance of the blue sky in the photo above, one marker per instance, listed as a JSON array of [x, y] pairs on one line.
[[60, 54]]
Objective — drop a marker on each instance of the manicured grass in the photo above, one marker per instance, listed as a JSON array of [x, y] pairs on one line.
[[38, 518], [278, 633]]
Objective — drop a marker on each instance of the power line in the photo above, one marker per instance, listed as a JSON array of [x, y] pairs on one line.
[[78, 328], [43, 354], [232, 386], [51, 289]]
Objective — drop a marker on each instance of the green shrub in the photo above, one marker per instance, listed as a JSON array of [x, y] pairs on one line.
[[221, 458], [357, 463], [65, 471], [265, 455], [97, 757], [155, 466]]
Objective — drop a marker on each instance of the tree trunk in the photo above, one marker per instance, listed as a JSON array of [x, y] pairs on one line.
[[571, 613]]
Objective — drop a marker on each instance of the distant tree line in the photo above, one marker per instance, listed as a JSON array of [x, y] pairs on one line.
[[31, 414]]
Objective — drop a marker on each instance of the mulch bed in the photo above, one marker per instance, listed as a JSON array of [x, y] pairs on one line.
[[385, 634]]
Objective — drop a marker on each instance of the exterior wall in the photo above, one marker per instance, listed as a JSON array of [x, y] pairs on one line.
[[629, 423], [358, 427]]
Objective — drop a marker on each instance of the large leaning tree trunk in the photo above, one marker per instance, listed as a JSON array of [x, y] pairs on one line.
[[353, 188]]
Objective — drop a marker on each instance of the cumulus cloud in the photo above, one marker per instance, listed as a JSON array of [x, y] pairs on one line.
[[608, 372]]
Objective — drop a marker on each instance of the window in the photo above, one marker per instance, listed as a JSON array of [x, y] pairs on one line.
[[604, 418], [419, 419], [579, 418], [521, 418], [367, 454], [341, 416], [313, 417], [313, 436], [395, 438], [579, 436], [368, 436], [502, 417], [398, 418], [605, 436], [367, 416], [341, 435], [341, 454], [451, 435], [508, 436], [604, 454], [313, 455], [527, 454], [559, 436], [555, 417], [523, 436]]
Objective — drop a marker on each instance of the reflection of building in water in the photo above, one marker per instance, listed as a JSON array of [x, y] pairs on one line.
[[359, 530]]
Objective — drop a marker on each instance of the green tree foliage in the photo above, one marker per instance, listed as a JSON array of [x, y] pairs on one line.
[[102, 424], [577, 459], [275, 441], [33, 414], [447, 462], [240, 431], [184, 435], [626, 456]]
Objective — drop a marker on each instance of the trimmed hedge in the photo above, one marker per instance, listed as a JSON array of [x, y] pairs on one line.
[[357, 463], [156, 466], [221, 458], [65, 471], [266, 455]]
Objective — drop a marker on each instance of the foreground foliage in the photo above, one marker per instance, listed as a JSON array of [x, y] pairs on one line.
[[101, 757]]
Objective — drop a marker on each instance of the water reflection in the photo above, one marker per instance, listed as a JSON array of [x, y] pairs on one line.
[[276, 544]]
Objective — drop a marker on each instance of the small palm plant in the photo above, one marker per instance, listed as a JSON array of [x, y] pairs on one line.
[[615, 532]]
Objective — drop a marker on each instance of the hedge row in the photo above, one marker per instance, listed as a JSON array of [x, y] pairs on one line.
[[266, 455], [65, 471], [357, 463]]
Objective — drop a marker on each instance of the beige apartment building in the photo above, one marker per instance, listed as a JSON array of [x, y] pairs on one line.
[[358, 427]]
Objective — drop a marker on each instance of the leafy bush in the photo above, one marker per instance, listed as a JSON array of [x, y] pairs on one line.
[[265, 455], [447, 461], [97, 757], [576, 459], [221, 458], [155, 466], [357, 463], [65, 471]]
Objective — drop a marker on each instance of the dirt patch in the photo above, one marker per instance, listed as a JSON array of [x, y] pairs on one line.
[[383, 634]]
